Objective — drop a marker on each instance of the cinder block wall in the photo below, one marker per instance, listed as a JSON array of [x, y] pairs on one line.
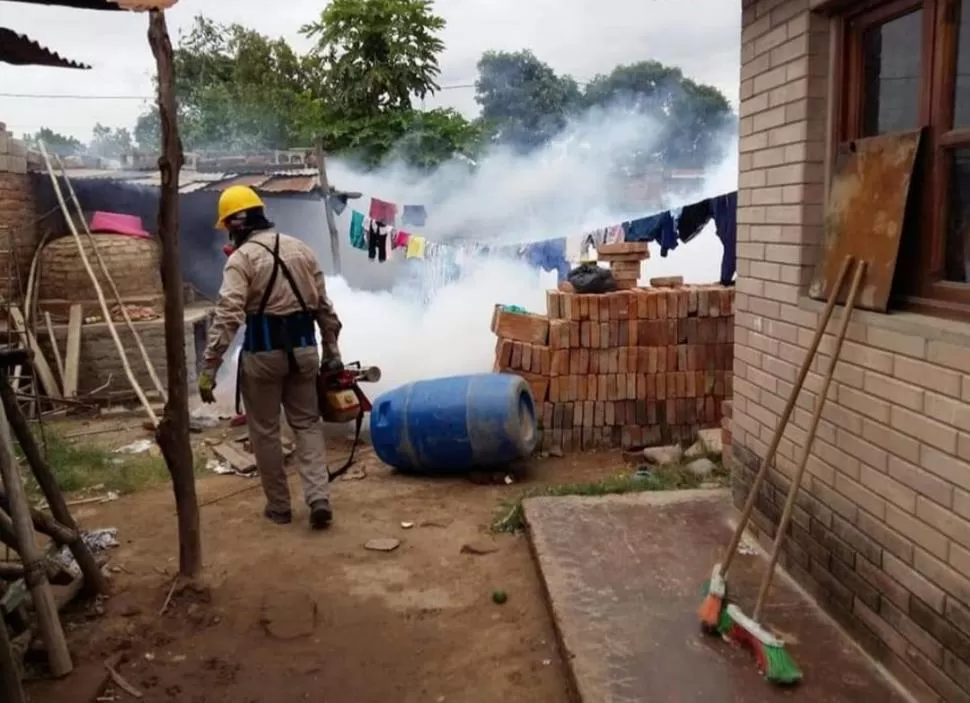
[[100, 366], [18, 216], [628, 369], [881, 534]]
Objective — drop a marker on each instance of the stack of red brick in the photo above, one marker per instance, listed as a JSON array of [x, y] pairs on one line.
[[626, 369]]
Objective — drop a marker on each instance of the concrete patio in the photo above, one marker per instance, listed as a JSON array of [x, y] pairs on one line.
[[624, 577]]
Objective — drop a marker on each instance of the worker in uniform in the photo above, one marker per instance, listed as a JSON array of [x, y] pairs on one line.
[[273, 283]]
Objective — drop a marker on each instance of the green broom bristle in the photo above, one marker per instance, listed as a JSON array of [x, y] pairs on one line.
[[779, 667]]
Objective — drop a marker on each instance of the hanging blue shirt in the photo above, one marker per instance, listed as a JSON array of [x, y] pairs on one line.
[[549, 256], [658, 228], [725, 211]]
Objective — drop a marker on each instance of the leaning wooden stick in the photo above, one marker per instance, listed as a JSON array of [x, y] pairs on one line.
[[58, 359], [111, 284], [105, 311], [809, 440], [95, 582], [48, 619]]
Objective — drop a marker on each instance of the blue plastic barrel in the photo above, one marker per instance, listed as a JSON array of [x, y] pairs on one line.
[[452, 425]]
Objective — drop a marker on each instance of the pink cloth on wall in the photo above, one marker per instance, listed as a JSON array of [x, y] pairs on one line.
[[118, 223]]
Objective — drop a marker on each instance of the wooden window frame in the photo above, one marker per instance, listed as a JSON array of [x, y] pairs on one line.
[[925, 289]]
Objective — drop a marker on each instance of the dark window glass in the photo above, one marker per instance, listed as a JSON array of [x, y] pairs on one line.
[[957, 266], [891, 72], [961, 97]]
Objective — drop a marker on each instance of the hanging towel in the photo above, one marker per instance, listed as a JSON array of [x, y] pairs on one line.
[[338, 203], [414, 215], [725, 211], [399, 240], [383, 211], [357, 238], [613, 234], [655, 228], [416, 247], [692, 220]]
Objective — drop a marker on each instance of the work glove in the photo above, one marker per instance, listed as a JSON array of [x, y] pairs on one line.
[[207, 384], [331, 366]]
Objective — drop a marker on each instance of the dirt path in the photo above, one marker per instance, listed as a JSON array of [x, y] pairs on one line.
[[296, 616]]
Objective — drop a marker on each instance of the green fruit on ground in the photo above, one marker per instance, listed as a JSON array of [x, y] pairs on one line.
[[499, 596]]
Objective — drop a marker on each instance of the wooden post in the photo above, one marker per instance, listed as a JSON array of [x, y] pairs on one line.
[[11, 690], [94, 581], [328, 211], [172, 434], [48, 620]]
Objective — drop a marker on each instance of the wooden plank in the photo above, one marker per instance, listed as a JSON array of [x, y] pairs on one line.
[[73, 357], [58, 360], [40, 364], [238, 460]]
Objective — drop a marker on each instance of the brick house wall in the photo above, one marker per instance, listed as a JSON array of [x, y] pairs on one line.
[[100, 367], [881, 534], [18, 216]]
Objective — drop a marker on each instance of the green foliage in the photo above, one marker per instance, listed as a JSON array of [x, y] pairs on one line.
[[524, 103], [689, 116], [54, 142], [377, 53], [110, 143]]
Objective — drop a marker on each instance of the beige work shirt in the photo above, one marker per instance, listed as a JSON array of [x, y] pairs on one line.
[[244, 280]]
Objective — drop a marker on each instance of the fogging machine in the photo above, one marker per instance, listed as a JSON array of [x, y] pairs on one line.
[[341, 400]]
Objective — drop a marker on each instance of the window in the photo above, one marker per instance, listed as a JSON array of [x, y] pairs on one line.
[[905, 65]]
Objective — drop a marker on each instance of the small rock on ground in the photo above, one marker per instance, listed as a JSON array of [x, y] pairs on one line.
[[479, 548], [695, 451], [383, 544], [712, 440], [702, 468], [658, 456]]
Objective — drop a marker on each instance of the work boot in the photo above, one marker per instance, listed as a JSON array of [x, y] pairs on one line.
[[280, 517], [320, 515]]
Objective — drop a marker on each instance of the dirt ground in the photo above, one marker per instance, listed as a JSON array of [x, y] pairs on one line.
[[291, 615]]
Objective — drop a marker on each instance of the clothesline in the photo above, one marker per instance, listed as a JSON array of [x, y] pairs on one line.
[[669, 228]]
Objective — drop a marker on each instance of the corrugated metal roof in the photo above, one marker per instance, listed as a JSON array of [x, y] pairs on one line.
[[279, 182], [290, 184], [253, 181], [134, 5], [21, 50]]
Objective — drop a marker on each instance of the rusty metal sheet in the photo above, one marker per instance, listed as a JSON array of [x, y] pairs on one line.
[[290, 184], [866, 209], [253, 181], [135, 5]]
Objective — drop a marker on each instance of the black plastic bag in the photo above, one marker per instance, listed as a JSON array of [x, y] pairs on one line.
[[591, 278]]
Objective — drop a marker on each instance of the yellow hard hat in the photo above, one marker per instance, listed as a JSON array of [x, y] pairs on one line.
[[235, 199]]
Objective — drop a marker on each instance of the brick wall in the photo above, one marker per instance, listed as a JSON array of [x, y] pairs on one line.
[[18, 214], [100, 363], [881, 534], [634, 368]]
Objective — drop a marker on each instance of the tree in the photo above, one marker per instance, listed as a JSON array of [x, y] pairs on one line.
[[110, 143], [148, 130], [56, 143], [377, 54], [523, 101], [689, 117]]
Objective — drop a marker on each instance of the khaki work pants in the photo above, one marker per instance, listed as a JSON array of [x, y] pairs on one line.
[[267, 383]]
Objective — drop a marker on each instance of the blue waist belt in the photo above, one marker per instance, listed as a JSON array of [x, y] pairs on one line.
[[279, 332]]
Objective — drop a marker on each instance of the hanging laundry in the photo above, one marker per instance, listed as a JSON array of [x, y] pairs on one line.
[[549, 255], [416, 247], [399, 240], [725, 211], [655, 228], [692, 220], [383, 211], [593, 240], [376, 242], [414, 215], [614, 234], [431, 250], [338, 203], [358, 240]]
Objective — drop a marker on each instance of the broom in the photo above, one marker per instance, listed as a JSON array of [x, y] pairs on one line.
[[772, 658], [715, 590]]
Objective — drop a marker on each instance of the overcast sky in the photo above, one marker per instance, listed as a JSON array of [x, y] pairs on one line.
[[578, 37]]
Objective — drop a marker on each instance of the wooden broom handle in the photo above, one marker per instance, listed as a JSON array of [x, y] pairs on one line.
[[809, 440], [785, 416]]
